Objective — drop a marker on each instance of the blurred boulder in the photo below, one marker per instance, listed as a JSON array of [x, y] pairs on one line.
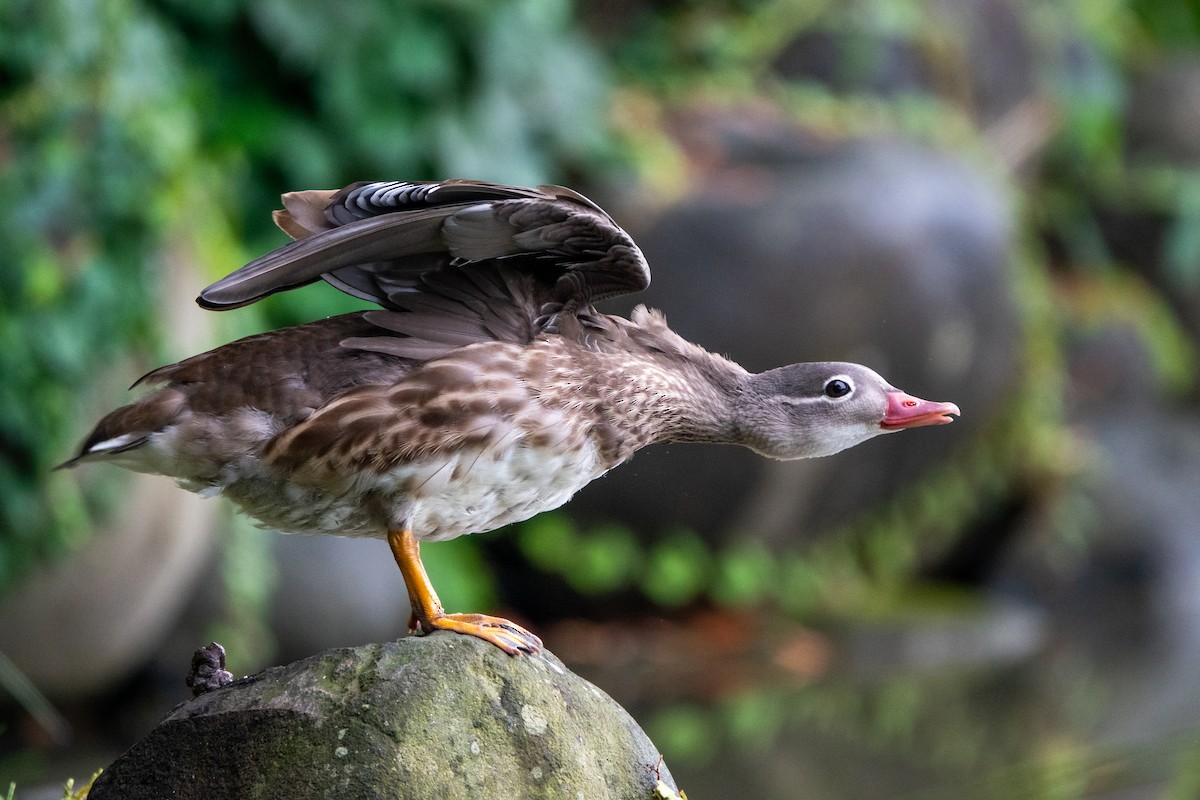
[[80, 626], [1115, 558], [1143, 570], [1164, 112], [1110, 370], [335, 592], [437, 717], [984, 60], [1124, 588], [877, 252], [1161, 121]]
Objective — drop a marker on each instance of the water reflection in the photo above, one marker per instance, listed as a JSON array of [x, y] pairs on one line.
[[991, 702]]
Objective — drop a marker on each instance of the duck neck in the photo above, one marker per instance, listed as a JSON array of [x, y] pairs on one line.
[[650, 386], [701, 403], [659, 398]]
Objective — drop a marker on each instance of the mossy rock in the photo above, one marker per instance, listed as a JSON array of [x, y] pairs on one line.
[[431, 718]]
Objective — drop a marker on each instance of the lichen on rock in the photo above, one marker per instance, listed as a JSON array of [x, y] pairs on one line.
[[435, 717]]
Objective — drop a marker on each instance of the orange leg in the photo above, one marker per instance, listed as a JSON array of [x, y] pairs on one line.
[[427, 613]]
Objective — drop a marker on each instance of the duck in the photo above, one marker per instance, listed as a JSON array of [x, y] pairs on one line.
[[482, 388]]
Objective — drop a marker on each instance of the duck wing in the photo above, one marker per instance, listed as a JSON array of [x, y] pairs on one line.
[[376, 240]]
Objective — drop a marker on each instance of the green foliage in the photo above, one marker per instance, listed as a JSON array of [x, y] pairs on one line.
[[1120, 298], [548, 541], [678, 569], [71, 793], [505, 91], [88, 135], [1185, 782], [1085, 59], [746, 573], [21, 689], [966, 734], [249, 578], [606, 560], [1168, 23], [685, 732], [458, 571], [136, 135], [1182, 258], [752, 719]]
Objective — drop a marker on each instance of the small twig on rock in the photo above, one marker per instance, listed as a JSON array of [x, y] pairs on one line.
[[208, 670]]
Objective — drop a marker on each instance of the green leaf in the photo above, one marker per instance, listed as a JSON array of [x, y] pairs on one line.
[[605, 560], [746, 573], [677, 569]]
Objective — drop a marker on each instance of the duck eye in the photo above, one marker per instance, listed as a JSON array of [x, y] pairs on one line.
[[837, 388]]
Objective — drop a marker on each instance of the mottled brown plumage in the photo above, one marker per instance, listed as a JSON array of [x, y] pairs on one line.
[[485, 389]]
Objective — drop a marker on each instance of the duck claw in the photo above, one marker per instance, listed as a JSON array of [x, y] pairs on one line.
[[508, 636]]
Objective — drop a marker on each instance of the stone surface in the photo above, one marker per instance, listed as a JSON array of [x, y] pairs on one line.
[[442, 716]]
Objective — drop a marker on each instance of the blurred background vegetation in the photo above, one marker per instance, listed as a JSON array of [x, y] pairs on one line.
[[143, 143]]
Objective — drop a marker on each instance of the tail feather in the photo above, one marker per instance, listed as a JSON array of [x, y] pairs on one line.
[[107, 447], [303, 213], [129, 427]]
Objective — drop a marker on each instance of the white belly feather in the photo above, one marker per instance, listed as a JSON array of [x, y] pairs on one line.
[[473, 490], [507, 486]]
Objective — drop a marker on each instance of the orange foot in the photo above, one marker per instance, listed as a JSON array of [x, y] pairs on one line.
[[428, 615], [508, 636]]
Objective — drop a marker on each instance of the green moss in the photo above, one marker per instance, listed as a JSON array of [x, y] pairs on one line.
[[71, 793], [444, 716]]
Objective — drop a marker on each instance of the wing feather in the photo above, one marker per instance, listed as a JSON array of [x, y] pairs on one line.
[[451, 262], [371, 239]]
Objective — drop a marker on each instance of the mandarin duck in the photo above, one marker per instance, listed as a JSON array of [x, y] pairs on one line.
[[484, 389]]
